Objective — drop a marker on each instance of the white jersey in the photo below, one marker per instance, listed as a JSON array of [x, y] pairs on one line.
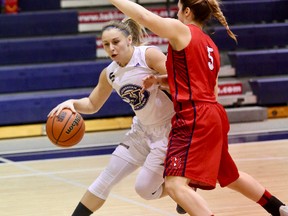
[[152, 106]]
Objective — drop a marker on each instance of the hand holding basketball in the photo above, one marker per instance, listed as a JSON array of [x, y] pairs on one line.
[[68, 104], [65, 129]]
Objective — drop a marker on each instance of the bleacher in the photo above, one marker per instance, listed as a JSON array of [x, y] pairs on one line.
[[47, 49], [32, 24], [270, 91], [56, 76], [257, 63], [254, 11], [50, 51], [251, 36]]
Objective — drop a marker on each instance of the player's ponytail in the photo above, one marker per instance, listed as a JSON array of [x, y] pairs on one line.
[[218, 14], [128, 27], [137, 31], [203, 10]]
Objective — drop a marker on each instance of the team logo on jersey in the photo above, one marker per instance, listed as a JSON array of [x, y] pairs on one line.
[[175, 162], [132, 95], [112, 76]]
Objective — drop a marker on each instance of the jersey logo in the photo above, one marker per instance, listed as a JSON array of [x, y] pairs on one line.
[[112, 76], [175, 163], [132, 95]]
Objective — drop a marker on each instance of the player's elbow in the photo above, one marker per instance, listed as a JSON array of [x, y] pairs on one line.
[[93, 109]]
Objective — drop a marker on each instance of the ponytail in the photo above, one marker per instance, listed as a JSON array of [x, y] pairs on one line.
[[129, 27], [203, 10], [218, 14], [137, 31]]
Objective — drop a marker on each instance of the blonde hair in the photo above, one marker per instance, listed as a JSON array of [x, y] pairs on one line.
[[203, 10], [128, 27]]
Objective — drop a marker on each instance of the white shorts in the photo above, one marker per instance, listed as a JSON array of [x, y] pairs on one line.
[[145, 145]]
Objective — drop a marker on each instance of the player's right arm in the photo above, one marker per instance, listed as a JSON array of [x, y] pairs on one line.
[[97, 97], [91, 104], [174, 30]]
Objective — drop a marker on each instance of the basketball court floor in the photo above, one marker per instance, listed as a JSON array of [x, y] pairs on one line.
[[40, 179]]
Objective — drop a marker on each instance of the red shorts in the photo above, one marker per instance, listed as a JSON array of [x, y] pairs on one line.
[[198, 146]]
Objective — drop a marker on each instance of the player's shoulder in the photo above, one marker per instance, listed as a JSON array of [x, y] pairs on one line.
[[112, 66], [144, 48]]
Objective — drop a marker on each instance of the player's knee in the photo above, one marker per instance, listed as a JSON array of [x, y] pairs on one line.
[[170, 186], [143, 191], [147, 192]]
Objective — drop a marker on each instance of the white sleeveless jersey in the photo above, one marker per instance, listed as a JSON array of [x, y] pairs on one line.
[[152, 106]]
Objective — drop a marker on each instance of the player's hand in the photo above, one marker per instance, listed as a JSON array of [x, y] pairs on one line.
[[148, 81], [66, 104]]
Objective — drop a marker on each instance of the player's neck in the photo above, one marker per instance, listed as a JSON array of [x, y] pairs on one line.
[[128, 58], [200, 25]]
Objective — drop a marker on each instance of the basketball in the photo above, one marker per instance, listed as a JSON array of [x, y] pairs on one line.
[[65, 130]]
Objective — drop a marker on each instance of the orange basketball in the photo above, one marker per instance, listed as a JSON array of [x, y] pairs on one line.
[[65, 130]]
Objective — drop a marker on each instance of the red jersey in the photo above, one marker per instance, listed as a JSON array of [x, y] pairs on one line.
[[198, 141], [187, 66]]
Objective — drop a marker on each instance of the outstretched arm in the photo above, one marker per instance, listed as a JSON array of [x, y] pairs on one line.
[[158, 25]]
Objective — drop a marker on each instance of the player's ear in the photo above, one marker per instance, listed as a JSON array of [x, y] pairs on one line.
[[129, 40], [187, 11]]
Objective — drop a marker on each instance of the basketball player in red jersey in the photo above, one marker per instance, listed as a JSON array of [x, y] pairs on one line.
[[198, 143]]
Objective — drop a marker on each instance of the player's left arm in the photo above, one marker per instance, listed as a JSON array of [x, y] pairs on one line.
[[156, 60]]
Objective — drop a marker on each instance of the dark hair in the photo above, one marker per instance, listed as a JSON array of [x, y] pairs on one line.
[[203, 10], [128, 27]]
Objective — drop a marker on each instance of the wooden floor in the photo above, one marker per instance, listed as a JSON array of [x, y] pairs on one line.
[[55, 186]]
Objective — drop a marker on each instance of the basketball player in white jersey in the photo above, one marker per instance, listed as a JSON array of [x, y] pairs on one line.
[[145, 144]]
